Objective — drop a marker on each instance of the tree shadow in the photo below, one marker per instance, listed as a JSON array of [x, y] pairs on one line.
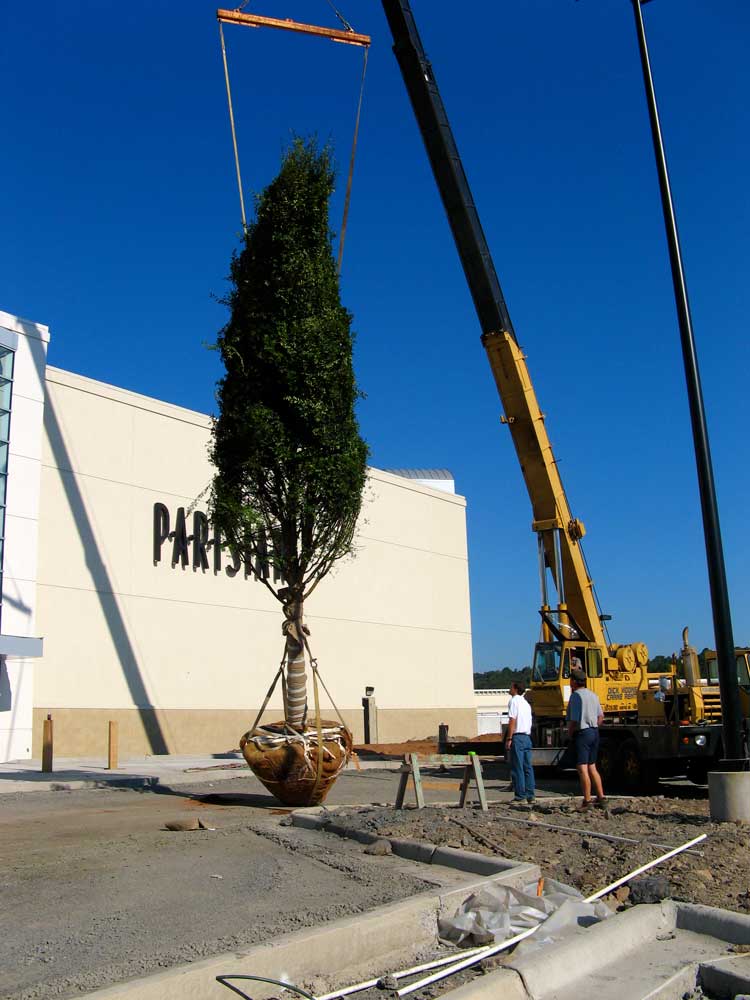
[[255, 800]]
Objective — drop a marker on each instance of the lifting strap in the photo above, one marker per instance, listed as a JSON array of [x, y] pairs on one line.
[[231, 122], [349, 179], [279, 673], [316, 676], [353, 154]]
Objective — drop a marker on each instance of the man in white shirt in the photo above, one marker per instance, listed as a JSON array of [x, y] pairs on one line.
[[518, 745]]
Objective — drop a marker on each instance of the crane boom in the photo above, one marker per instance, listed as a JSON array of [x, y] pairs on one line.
[[558, 531]]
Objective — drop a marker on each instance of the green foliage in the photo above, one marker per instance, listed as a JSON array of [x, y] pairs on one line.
[[290, 462], [501, 678], [659, 665]]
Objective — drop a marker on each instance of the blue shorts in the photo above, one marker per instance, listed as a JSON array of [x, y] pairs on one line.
[[587, 746]]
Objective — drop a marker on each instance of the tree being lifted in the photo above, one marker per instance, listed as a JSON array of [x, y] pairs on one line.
[[290, 462]]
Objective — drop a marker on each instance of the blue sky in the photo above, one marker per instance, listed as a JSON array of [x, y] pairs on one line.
[[120, 212]]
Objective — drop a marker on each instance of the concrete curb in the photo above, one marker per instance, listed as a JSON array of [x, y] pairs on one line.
[[316, 818], [561, 966], [722, 924], [503, 984], [567, 962], [470, 861], [726, 977]]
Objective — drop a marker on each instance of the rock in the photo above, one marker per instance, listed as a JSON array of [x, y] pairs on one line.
[[182, 825], [388, 982], [618, 810], [379, 849], [285, 821], [490, 964], [622, 893], [597, 847], [650, 889]]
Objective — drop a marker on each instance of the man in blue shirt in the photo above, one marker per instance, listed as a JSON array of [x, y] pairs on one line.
[[584, 718]]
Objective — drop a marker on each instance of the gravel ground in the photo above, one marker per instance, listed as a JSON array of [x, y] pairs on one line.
[[718, 874], [95, 891]]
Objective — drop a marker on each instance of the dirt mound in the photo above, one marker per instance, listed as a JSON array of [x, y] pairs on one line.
[[716, 873]]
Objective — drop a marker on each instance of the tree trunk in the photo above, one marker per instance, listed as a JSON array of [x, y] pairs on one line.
[[296, 676]]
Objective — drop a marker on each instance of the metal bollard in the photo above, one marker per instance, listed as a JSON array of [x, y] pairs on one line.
[[113, 746], [47, 736]]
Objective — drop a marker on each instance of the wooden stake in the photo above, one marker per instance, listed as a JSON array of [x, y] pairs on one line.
[[47, 746], [112, 746]]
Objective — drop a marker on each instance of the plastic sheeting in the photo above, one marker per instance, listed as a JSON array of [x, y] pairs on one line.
[[498, 912]]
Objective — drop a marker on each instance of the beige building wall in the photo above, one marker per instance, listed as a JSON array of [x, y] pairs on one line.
[[182, 656]]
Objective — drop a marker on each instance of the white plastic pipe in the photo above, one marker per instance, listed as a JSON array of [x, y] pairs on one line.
[[495, 948], [434, 964]]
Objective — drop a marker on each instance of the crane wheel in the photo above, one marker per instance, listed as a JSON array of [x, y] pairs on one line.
[[634, 773], [697, 771], [605, 762]]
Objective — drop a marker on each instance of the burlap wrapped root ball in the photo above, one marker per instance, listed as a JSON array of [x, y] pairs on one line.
[[286, 761]]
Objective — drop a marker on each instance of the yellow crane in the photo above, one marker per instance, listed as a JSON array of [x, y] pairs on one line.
[[646, 731]]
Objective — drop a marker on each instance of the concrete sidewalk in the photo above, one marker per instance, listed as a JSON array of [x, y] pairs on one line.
[[139, 772]]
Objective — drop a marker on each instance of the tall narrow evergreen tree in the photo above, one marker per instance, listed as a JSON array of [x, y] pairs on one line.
[[290, 462]]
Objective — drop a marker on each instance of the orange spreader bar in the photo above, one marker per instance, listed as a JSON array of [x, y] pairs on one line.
[[256, 21]]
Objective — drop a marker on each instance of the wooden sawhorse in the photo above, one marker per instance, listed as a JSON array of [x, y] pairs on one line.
[[472, 771]]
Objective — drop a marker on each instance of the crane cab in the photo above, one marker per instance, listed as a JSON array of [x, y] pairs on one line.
[[616, 688]]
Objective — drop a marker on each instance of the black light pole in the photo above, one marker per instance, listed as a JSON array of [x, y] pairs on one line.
[[734, 747]]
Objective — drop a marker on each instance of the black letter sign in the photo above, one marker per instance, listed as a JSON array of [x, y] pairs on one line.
[[200, 540], [180, 545], [161, 529]]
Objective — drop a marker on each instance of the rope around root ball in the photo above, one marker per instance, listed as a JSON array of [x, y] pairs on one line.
[[265, 738]]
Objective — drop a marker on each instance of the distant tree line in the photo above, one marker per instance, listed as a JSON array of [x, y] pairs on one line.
[[660, 664], [501, 678], [663, 664]]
